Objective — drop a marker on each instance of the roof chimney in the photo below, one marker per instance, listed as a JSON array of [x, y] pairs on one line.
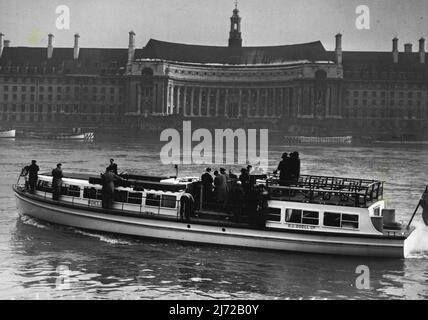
[[131, 46], [1, 43], [50, 46], [76, 47], [422, 50], [408, 47], [395, 50], [6, 43], [338, 49]]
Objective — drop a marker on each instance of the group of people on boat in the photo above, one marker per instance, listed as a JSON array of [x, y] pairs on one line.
[[30, 173], [289, 169], [229, 192]]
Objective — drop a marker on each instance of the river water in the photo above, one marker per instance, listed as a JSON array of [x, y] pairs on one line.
[[43, 261]]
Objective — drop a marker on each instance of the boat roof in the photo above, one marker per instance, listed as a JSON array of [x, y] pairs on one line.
[[137, 182]]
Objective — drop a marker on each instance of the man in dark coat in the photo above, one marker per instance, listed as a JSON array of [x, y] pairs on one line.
[[33, 169], [112, 167], [294, 167], [56, 181], [284, 170], [220, 184], [245, 180], [108, 179], [207, 185]]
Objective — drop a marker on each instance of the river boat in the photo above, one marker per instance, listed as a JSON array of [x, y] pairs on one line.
[[8, 134], [316, 214]]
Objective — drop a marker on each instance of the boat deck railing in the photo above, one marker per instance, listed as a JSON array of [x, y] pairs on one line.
[[326, 190]]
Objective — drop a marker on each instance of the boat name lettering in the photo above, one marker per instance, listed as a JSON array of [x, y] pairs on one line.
[[96, 203], [299, 226]]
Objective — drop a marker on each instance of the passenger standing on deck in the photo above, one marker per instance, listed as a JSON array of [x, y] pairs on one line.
[[56, 181], [33, 169], [220, 185], [24, 173], [237, 199], [294, 167], [207, 185], [245, 180], [108, 179], [284, 170], [112, 167]]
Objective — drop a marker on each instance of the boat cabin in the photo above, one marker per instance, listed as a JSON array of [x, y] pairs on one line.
[[313, 203]]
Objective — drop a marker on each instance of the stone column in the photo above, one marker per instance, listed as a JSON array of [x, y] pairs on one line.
[[171, 108], [191, 101], [185, 101], [217, 101], [258, 103], [208, 103], [178, 99], [281, 102], [240, 104], [200, 102], [266, 95], [225, 103]]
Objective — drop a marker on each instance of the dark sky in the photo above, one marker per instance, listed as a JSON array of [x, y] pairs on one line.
[[106, 23]]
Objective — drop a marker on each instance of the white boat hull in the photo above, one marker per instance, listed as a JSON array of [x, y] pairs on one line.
[[208, 234], [8, 134]]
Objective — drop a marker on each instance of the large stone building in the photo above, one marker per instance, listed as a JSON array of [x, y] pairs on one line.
[[299, 88]]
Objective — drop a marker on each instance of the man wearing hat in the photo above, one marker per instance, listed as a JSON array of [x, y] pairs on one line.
[[33, 169], [284, 170], [112, 167], [56, 181], [207, 183]]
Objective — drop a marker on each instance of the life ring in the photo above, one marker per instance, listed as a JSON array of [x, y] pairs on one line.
[[187, 206]]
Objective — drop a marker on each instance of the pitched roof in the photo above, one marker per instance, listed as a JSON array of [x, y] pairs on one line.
[[90, 61], [155, 49], [383, 58]]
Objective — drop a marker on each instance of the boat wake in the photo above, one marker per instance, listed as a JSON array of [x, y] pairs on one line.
[[33, 222], [416, 245], [103, 237]]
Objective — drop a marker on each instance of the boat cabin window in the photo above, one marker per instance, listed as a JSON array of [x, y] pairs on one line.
[[376, 211], [135, 197], [302, 216], [340, 220], [168, 201], [92, 193], [44, 186], [274, 214], [156, 200], [69, 190], [120, 196], [153, 199]]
